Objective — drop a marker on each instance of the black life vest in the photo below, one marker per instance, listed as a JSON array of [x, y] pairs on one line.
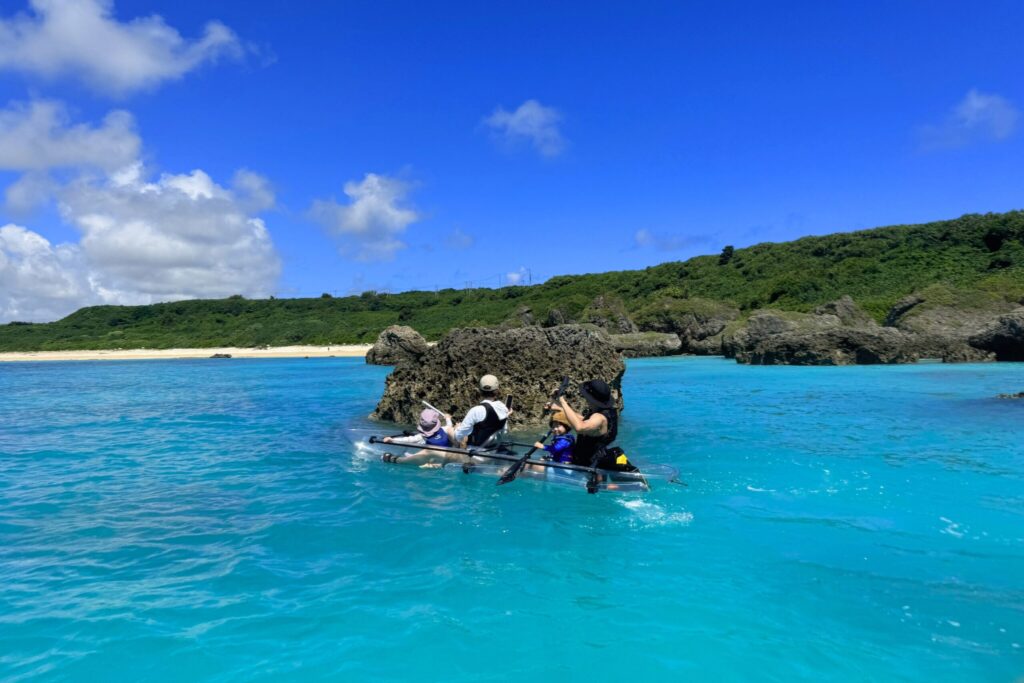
[[590, 449], [487, 427]]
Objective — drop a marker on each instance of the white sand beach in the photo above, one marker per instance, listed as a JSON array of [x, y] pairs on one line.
[[341, 350]]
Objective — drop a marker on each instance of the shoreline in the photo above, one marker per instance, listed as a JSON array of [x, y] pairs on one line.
[[338, 350]]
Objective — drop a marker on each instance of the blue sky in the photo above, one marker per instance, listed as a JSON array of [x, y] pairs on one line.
[[149, 155]]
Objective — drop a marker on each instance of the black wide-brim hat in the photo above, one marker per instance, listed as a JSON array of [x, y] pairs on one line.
[[597, 392]]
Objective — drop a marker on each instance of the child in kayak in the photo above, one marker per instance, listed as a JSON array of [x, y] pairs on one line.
[[561, 447], [430, 433]]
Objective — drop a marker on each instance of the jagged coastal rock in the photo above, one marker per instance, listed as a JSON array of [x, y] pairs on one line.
[[838, 333], [396, 344], [528, 361], [699, 323], [647, 344], [609, 313], [940, 322], [1003, 337]]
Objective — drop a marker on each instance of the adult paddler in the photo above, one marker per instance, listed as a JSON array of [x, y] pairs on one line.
[[485, 421], [596, 428]]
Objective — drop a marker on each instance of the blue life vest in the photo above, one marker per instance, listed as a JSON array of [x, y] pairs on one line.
[[439, 438], [561, 448]]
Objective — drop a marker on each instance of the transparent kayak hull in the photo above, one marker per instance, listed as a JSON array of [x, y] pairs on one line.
[[625, 482]]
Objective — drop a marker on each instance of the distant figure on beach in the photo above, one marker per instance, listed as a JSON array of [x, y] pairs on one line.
[[430, 432], [596, 427], [486, 421]]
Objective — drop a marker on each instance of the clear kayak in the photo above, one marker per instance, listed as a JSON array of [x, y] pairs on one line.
[[495, 462], [606, 480]]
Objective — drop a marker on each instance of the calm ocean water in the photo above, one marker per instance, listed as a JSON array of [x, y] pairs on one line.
[[208, 521]]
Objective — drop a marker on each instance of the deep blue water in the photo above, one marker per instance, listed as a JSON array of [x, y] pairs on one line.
[[208, 521]]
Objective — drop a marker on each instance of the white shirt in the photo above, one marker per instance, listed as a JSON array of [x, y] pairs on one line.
[[478, 414]]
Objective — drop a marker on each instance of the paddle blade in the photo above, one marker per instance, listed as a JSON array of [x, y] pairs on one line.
[[512, 472]]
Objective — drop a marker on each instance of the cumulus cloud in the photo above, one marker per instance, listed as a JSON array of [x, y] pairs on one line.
[[533, 123], [645, 238], [82, 38], [39, 136], [978, 117], [38, 281], [181, 237], [28, 192], [178, 237], [371, 224]]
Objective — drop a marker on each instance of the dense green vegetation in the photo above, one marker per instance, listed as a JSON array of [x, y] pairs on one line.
[[983, 254]]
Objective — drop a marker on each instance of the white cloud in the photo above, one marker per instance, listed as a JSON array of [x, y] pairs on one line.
[[28, 192], [516, 277], [38, 136], [180, 237], [82, 38], [371, 224], [979, 117], [40, 282], [531, 122]]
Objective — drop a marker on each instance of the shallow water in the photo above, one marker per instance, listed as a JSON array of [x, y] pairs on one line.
[[207, 520]]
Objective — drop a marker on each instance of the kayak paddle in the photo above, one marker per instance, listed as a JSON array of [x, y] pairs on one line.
[[513, 472]]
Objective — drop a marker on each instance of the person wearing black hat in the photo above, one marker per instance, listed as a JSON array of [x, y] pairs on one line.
[[596, 428]]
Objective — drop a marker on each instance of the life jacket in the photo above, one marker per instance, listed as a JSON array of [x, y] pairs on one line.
[[590, 449], [439, 438], [561, 448], [487, 427]]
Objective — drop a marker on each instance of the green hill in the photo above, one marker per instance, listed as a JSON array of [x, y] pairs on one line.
[[974, 253]]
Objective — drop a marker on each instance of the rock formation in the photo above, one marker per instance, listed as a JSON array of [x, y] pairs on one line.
[[839, 333], [528, 361], [396, 344], [699, 323], [1004, 336], [940, 322], [647, 344], [609, 313]]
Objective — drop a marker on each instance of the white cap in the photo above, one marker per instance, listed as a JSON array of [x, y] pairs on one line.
[[488, 383]]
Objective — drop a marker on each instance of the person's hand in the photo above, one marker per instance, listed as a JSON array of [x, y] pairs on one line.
[[510, 412], [538, 445], [387, 439]]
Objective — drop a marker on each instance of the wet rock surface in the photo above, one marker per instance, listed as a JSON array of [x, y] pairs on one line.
[[529, 362], [397, 344]]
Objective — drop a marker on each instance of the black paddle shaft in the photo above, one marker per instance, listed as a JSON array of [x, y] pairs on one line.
[[512, 472]]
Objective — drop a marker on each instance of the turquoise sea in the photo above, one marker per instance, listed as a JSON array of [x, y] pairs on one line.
[[209, 521]]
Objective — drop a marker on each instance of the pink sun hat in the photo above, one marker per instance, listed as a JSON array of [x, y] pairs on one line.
[[430, 422]]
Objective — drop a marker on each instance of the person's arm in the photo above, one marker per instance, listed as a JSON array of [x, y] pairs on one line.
[[595, 425], [415, 439], [465, 427]]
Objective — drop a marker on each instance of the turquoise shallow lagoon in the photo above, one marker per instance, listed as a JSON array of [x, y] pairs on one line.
[[209, 521]]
